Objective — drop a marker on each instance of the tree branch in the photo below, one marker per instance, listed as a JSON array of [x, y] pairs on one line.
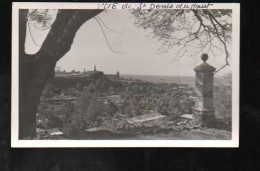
[[31, 35], [22, 30], [103, 32], [215, 33], [99, 19], [212, 16], [220, 68], [222, 41], [60, 38]]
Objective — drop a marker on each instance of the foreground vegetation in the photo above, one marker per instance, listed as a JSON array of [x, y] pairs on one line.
[[109, 106]]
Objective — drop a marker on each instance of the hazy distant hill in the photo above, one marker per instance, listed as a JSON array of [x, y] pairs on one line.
[[226, 79], [163, 79]]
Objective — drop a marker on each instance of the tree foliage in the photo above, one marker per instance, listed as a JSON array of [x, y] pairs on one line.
[[191, 31]]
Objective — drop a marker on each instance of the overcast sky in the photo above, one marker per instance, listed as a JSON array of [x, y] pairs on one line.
[[137, 51]]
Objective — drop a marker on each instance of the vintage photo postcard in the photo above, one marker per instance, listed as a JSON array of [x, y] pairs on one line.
[[125, 75]]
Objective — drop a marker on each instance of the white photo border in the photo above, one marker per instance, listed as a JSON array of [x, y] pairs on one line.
[[16, 143]]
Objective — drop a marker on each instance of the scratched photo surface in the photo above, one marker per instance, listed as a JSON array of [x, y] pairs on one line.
[[133, 74]]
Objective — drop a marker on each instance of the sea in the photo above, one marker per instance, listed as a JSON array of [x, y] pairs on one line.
[[190, 80]]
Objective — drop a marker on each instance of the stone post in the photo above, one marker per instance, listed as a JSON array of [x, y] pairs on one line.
[[203, 111]]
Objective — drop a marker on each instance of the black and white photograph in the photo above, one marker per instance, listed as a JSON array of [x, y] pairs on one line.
[[125, 75]]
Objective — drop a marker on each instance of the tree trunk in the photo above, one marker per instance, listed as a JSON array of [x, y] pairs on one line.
[[31, 85], [35, 70]]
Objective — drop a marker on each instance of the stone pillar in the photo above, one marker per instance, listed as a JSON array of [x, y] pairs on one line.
[[203, 111]]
